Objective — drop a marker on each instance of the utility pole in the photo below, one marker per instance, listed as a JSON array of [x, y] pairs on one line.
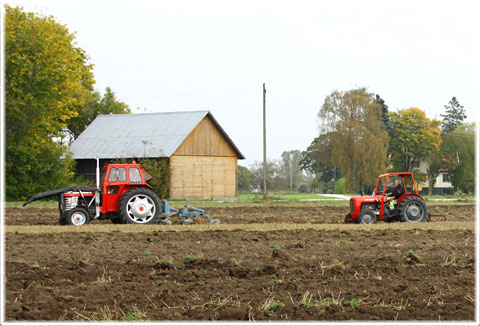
[[264, 145]]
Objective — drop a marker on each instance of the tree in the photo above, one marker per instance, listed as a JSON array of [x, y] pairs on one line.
[[273, 177], [94, 106], [317, 159], [353, 123], [47, 80], [385, 117], [458, 149], [245, 178], [454, 115], [414, 138], [290, 168]]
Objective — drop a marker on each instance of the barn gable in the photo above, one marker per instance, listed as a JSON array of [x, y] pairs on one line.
[[207, 140]]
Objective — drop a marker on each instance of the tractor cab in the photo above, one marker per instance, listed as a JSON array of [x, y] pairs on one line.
[[117, 179], [395, 198]]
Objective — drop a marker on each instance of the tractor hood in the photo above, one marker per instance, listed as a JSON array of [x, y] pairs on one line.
[[50, 193], [367, 199]]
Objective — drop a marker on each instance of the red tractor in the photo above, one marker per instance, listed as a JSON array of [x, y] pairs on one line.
[[124, 196], [395, 198]]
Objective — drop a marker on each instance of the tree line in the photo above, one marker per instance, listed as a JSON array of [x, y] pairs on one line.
[[50, 99], [359, 139]]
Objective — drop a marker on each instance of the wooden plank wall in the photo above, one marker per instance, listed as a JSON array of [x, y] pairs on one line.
[[203, 177], [205, 139]]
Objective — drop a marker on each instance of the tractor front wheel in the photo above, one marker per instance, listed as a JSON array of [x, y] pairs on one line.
[[139, 206], [77, 216], [412, 209], [367, 217]]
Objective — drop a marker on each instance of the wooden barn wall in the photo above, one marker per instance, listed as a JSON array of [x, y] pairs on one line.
[[206, 140], [203, 177]]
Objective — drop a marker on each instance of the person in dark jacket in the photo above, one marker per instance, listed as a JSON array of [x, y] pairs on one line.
[[397, 191]]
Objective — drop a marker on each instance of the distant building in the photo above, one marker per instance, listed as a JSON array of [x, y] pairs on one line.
[[202, 158], [442, 185]]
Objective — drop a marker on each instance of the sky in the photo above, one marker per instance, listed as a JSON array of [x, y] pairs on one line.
[[215, 55]]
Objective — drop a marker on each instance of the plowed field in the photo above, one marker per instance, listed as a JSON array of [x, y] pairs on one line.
[[309, 267]]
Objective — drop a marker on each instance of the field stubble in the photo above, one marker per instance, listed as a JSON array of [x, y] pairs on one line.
[[263, 263]]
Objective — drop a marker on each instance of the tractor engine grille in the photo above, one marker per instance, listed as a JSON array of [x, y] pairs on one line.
[[351, 206], [69, 203]]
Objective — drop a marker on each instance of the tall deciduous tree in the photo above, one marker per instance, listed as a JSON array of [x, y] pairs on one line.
[[94, 106], [454, 115], [357, 135], [458, 149], [414, 138], [47, 79]]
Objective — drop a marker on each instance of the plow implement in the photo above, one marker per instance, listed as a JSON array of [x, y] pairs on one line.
[[188, 215]]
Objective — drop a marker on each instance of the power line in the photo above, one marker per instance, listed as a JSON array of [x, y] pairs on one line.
[[193, 93]]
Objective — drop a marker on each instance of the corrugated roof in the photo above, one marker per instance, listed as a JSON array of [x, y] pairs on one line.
[[138, 135]]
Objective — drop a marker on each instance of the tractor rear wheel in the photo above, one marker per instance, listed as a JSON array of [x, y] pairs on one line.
[[412, 209], [77, 216], [367, 217], [139, 206]]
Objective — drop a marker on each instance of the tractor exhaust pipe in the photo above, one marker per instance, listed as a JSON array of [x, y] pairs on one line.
[[97, 174], [97, 189]]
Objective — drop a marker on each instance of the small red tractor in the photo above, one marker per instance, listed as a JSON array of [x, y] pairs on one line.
[[124, 196], [406, 206]]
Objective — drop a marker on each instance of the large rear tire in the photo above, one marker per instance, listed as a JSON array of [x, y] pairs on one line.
[[77, 216], [139, 206], [412, 209]]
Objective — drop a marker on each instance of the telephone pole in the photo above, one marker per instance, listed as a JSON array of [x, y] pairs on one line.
[[264, 145]]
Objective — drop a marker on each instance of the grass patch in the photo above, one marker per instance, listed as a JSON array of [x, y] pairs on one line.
[[147, 251], [190, 257], [352, 303], [412, 256]]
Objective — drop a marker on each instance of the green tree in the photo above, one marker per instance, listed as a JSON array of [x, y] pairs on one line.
[[316, 159], [357, 136], [94, 106], [454, 115], [245, 178], [47, 79], [414, 138], [385, 117], [458, 149]]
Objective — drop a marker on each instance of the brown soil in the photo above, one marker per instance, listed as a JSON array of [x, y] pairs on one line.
[[241, 275], [257, 214]]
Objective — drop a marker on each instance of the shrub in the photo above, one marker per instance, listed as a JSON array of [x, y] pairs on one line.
[[303, 188], [340, 186]]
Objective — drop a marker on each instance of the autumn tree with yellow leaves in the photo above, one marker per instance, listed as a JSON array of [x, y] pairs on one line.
[[357, 136], [415, 138], [48, 81]]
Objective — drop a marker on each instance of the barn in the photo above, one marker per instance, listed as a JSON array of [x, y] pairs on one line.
[[202, 159]]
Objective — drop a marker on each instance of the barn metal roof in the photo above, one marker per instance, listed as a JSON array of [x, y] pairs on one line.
[[139, 135]]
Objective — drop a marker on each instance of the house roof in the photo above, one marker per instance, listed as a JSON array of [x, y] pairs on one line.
[[139, 135]]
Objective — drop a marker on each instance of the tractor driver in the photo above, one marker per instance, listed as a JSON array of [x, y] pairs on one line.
[[397, 191]]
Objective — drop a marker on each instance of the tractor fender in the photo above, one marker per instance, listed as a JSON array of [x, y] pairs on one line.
[[408, 195]]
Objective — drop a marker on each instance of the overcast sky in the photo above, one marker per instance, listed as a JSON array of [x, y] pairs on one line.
[[215, 55]]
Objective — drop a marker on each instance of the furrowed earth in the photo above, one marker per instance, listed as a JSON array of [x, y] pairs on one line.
[[264, 262]]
